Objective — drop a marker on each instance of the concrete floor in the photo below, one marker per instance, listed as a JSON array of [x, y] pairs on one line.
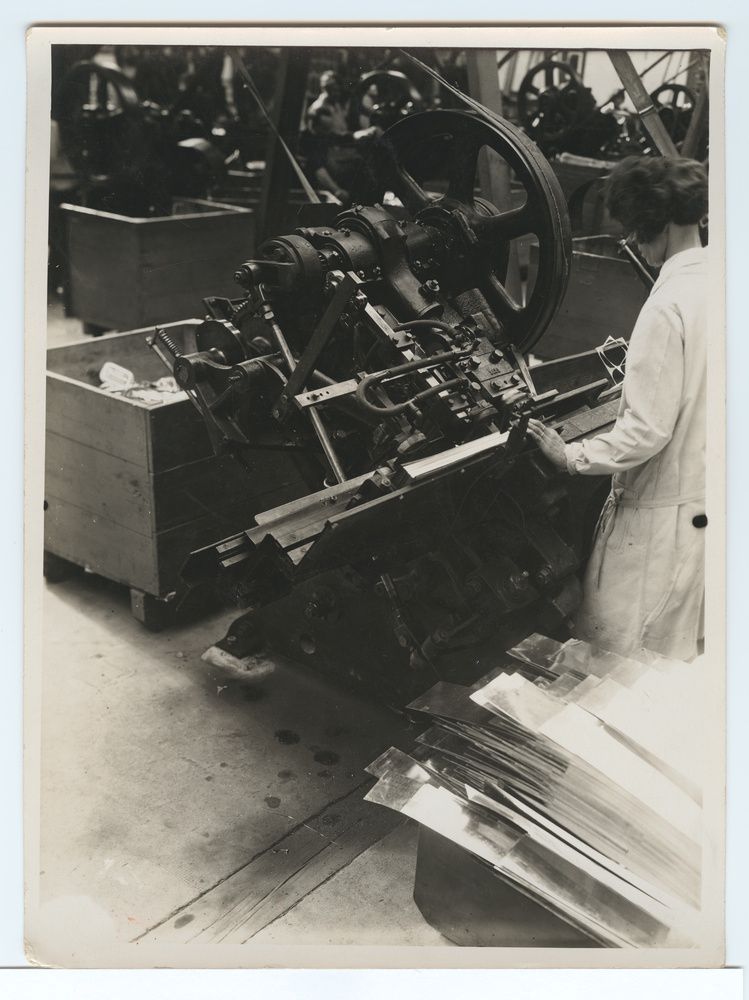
[[172, 790], [61, 329], [164, 776]]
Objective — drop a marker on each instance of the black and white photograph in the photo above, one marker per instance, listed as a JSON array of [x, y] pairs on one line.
[[375, 508]]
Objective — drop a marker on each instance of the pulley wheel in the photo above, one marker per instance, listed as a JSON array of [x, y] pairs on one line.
[[451, 145], [221, 335], [552, 102], [675, 105], [394, 97], [101, 123]]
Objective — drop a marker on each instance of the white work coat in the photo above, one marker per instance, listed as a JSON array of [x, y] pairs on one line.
[[644, 582]]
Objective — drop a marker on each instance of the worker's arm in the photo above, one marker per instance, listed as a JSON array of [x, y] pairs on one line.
[[651, 398], [320, 120], [327, 183]]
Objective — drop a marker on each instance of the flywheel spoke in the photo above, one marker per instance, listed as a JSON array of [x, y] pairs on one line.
[[462, 179], [507, 308], [410, 192], [509, 225]]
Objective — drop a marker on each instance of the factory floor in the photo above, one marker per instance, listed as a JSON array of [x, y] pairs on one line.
[[187, 802]]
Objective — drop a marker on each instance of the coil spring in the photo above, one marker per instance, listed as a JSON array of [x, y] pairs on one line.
[[245, 308], [167, 341]]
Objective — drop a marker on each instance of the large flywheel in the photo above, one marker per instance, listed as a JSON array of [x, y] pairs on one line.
[[675, 104], [553, 102], [101, 124], [383, 97], [431, 163]]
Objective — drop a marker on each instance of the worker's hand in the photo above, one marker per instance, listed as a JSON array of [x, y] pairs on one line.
[[550, 443], [373, 132]]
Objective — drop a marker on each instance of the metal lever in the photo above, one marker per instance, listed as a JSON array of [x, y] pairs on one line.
[[266, 311], [221, 430]]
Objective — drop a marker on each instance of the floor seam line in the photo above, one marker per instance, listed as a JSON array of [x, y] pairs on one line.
[[288, 833], [325, 881], [262, 898]]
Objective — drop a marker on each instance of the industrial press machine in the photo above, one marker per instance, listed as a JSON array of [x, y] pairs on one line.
[[387, 355]]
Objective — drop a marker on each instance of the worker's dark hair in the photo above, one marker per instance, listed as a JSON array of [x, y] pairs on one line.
[[645, 193]]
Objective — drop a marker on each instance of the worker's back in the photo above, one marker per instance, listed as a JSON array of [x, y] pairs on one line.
[[677, 308]]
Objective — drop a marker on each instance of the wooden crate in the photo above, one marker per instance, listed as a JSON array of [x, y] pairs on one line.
[[123, 273], [603, 299], [132, 488]]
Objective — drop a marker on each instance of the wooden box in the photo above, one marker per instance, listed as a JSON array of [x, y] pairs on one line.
[[603, 299], [245, 188], [123, 273], [132, 488]]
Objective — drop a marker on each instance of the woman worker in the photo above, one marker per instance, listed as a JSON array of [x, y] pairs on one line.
[[644, 582]]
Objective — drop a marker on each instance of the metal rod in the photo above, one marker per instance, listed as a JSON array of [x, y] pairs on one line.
[[326, 445], [642, 272], [314, 416], [322, 333]]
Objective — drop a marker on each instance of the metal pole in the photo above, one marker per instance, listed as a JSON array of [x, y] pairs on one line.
[[700, 115], [278, 177], [622, 63]]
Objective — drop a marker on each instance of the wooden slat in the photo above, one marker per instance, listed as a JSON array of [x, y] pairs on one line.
[[221, 485], [274, 882], [177, 436], [108, 549], [99, 483], [96, 418], [126, 494], [184, 259], [150, 562]]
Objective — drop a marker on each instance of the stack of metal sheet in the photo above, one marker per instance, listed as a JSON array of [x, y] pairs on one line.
[[574, 772]]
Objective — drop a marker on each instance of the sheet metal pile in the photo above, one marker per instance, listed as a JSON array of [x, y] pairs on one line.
[[566, 772]]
